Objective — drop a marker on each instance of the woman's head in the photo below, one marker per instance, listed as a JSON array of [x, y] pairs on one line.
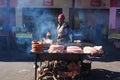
[[61, 18]]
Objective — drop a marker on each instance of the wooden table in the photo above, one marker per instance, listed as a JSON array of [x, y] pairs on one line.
[[56, 56]]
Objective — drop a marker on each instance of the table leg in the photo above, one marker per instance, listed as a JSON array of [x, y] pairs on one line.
[[81, 62], [36, 66]]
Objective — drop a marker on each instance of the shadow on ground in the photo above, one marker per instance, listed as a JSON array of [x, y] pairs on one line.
[[16, 56], [102, 74]]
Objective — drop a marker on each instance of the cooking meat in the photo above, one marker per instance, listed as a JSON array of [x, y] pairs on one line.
[[95, 51], [74, 49], [56, 49], [89, 50], [99, 49]]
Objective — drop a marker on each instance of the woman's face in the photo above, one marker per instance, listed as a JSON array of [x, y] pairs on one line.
[[60, 20]]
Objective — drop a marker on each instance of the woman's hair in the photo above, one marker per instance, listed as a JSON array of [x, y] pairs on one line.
[[61, 16]]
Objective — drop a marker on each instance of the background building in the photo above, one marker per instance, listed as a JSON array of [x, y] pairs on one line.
[[33, 18]]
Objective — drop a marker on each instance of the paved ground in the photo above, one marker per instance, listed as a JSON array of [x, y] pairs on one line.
[[16, 71], [15, 65]]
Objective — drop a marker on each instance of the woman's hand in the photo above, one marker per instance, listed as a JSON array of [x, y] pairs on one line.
[[59, 36]]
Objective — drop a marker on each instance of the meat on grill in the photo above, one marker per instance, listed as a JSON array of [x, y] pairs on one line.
[[89, 50], [99, 49], [56, 49], [92, 50], [74, 49]]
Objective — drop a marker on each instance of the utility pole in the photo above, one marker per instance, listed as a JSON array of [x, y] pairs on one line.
[[8, 23], [73, 11], [8, 14]]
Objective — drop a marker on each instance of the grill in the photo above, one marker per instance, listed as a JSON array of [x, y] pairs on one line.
[[55, 68]]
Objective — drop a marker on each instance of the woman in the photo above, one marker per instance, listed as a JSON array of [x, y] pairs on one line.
[[63, 30]]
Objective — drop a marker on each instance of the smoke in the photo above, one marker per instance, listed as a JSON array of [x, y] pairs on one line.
[[23, 3], [100, 16], [43, 21], [92, 22], [3, 12], [81, 15]]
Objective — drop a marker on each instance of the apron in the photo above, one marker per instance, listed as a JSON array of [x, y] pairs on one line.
[[64, 31]]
